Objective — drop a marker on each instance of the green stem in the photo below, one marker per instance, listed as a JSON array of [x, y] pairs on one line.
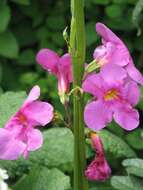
[[77, 50]]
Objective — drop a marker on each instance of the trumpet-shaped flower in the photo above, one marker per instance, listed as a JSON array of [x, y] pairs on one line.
[[114, 51], [19, 136], [99, 169], [61, 67], [115, 95]]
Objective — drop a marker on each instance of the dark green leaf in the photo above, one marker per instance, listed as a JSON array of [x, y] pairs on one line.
[[135, 139], [5, 15], [8, 45], [136, 15]]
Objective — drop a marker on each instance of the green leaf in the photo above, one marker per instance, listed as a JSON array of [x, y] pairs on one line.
[[10, 103], [136, 15], [5, 15], [134, 166], [27, 57], [41, 178], [115, 145], [8, 45], [91, 34], [57, 148], [140, 104], [22, 2], [126, 183], [114, 11], [135, 139], [103, 2]]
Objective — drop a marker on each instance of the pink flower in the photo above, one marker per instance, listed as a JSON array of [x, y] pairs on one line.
[[98, 170], [115, 95], [19, 136], [61, 67], [114, 51]]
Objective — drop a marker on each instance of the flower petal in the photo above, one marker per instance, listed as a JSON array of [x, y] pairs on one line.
[[134, 73], [107, 34], [94, 85], [113, 74], [33, 95], [97, 115], [131, 93], [39, 113], [66, 66], [49, 60], [10, 148], [35, 140], [126, 117]]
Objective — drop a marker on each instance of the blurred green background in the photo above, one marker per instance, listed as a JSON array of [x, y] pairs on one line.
[[26, 26]]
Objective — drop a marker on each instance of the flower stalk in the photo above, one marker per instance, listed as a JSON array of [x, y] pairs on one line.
[[77, 51]]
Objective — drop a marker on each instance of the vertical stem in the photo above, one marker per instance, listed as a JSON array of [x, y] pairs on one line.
[[77, 50]]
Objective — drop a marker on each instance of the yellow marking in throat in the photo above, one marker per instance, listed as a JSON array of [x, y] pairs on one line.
[[111, 95]]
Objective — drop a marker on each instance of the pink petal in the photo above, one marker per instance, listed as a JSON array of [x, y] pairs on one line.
[[98, 170], [66, 66], [39, 113], [97, 115], [113, 74], [35, 140], [132, 93], [10, 148], [94, 85], [134, 73], [33, 95], [126, 117], [107, 34], [49, 60]]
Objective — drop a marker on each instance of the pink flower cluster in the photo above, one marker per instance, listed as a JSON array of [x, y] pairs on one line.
[[114, 88], [19, 135]]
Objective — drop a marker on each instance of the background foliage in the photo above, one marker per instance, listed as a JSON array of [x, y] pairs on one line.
[[25, 27]]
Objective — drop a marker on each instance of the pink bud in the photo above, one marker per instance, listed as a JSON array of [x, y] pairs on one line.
[[98, 170]]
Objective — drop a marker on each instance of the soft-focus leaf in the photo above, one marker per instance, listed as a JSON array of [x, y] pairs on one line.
[[22, 2], [5, 15], [135, 139], [10, 103], [134, 166], [103, 2], [115, 145], [140, 104], [8, 45], [136, 15], [114, 11], [57, 148], [126, 183], [91, 34], [27, 57], [43, 179]]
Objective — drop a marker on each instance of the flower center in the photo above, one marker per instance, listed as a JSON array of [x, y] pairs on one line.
[[111, 94], [22, 118]]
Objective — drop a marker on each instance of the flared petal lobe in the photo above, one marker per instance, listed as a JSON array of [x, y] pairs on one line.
[[38, 113], [49, 60], [126, 117], [10, 148], [97, 115]]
